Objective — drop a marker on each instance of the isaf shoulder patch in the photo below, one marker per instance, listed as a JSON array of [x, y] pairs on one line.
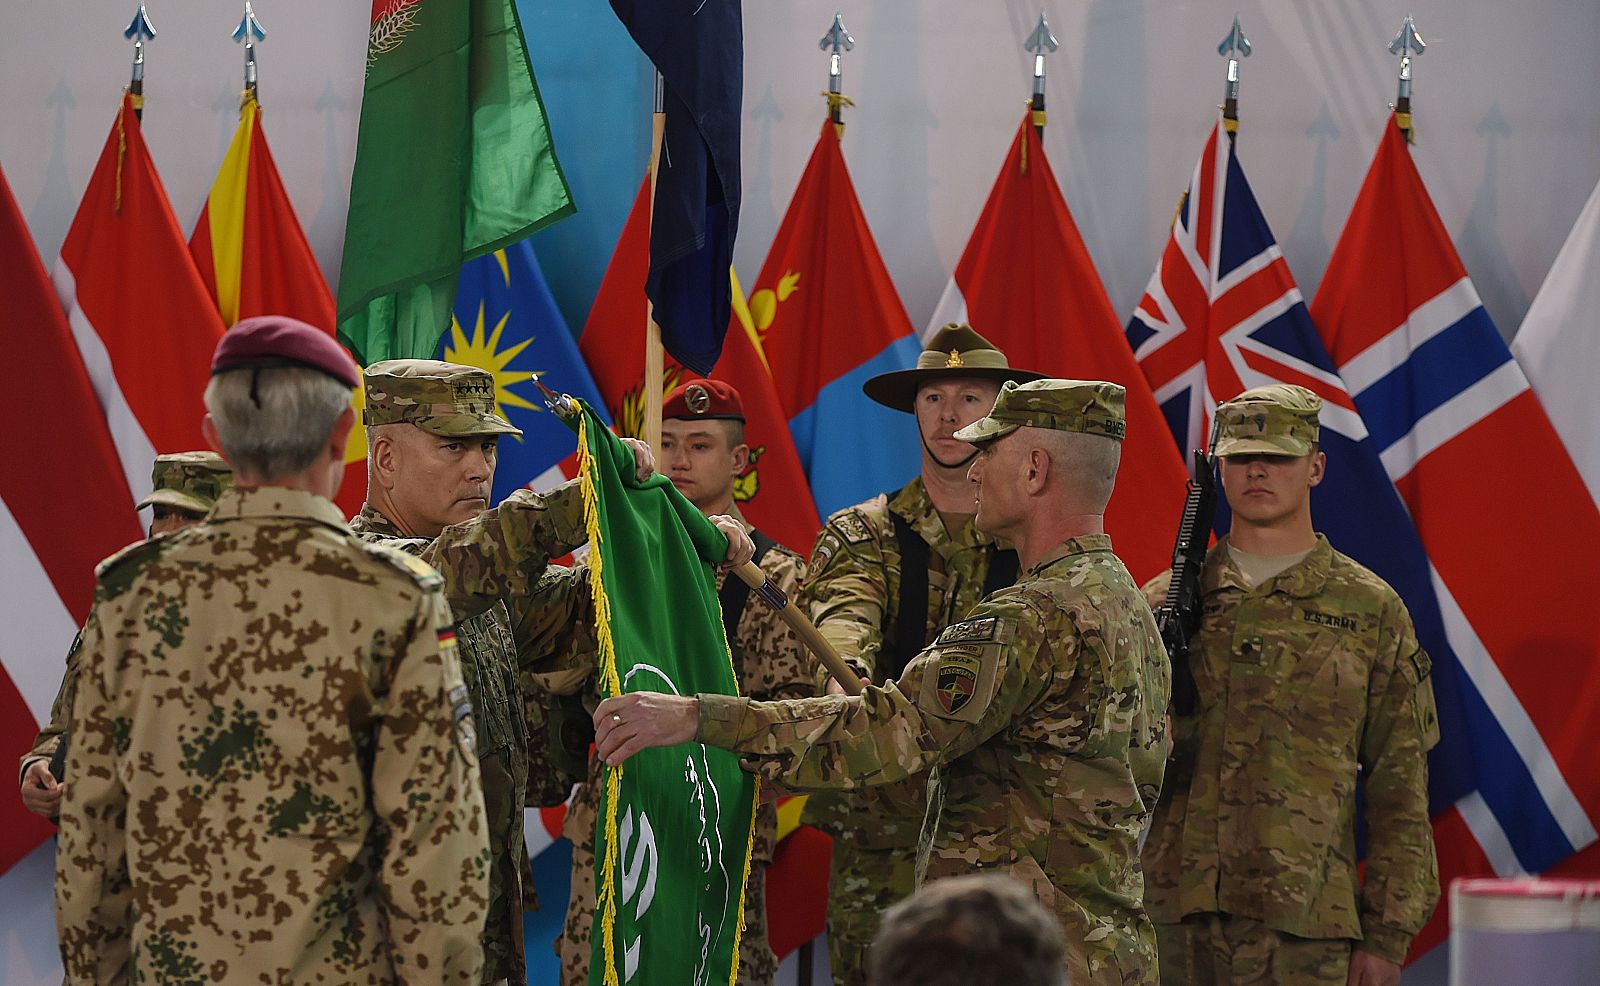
[[986, 628], [852, 526], [969, 655]]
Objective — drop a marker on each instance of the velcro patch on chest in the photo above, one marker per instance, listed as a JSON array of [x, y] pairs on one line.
[[852, 527], [1329, 620]]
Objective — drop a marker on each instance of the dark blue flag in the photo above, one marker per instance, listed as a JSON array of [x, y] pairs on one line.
[[505, 321], [698, 47]]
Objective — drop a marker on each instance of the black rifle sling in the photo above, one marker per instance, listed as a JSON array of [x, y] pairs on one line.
[[911, 617], [1003, 569], [735, 594]]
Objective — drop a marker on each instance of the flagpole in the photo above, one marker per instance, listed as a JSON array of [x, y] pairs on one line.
[[250, 32], [139, 31], [1233, 47], [654, 362], [1407, 44], [836, 42], [1040, 43]]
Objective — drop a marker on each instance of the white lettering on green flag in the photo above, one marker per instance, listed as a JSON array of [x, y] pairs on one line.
[[672, 846]]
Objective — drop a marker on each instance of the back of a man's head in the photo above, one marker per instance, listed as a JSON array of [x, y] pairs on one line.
[[981, 930]]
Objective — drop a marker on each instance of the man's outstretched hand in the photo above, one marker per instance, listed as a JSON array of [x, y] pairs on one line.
[[640, 720], [740, 548]]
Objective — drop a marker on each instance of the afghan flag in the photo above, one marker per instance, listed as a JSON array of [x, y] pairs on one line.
[[254, 259], [672, 846], [454, 160]]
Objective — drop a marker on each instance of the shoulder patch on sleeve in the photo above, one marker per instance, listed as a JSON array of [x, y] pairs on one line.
[[461, 715], [420, 571], [986, 629], [852, 525]]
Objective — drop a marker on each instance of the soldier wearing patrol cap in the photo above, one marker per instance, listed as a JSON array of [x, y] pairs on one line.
[[1309, 673], [885, 576], [272, 773], [702, 450], [1042, 711], [185, 487], [432, 432]]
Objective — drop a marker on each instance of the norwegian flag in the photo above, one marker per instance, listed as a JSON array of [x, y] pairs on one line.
[[1222, 314], [1506, 519]]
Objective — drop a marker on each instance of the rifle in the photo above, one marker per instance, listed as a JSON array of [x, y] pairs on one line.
[[1178, 619]]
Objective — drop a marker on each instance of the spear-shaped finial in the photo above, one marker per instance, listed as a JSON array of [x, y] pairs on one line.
[[836, 42], [250, 33], [1233, 47], [1040, 43], [139, 31], [1406, 44]]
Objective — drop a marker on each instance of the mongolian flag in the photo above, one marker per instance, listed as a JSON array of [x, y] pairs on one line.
[[1450, 413], [54, 526], [1026, 282], [143, 319], [254, 259], [772, 493], [672, 846], [829, 318], [453, 161], [698, 47]]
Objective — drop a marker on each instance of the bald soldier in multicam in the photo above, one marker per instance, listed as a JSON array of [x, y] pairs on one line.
[[885, 577], [1043, 711], [185, 486], [1309, 675], [272, 773]]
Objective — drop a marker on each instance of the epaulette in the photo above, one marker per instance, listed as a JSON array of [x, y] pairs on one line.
[[420, 571], [115, 573]]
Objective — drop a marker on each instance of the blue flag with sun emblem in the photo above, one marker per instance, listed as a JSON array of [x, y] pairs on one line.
[[506, 321]]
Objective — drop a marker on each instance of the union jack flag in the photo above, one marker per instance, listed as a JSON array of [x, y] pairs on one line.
[[1222, 314]]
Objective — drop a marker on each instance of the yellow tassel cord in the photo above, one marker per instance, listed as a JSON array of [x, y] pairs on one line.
[[1403, 121], [611, 684], [750, 839], [1231, 126], [837, 100]]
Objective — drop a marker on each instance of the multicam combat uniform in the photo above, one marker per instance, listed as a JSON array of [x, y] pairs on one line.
[[1306, 682], [272, 772], [771, 665], [857, 595], [1043, 713]]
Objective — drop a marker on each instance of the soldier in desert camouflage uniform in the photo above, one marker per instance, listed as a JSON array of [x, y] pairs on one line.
[[885, 576], [702, 450], [273, 776], [1309, 674], [1043, 709], [185, 488]]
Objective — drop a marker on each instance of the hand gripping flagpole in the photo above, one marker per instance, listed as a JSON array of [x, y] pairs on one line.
[[1407, 44], [250, 33], [836, 42], [139, 31], [1040, 43], [1233, 47], [758, 581]]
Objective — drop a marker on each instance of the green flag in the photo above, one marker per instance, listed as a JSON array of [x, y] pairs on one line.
[[672, 841], [453, 161]]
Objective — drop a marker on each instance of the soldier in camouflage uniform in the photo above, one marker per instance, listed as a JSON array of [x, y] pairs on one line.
[[432, 431], [1042, 710], [1309, 674], [702, 450], [273, 777], [185, 488], [885, 576]]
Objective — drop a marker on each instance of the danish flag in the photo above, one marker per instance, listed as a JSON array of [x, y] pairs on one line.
[[1222, 314]]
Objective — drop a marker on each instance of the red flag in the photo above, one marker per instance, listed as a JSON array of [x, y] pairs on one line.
[[1025, 281], [254, 260], [142, 317], [772, 493], [64, 505]]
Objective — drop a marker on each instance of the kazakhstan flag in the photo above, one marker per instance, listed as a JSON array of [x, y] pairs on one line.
[[506, 321]]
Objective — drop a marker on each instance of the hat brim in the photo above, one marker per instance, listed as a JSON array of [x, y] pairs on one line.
[[177, 500], [466, 425], [985, 430], [898, 389], [1264, 445]]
